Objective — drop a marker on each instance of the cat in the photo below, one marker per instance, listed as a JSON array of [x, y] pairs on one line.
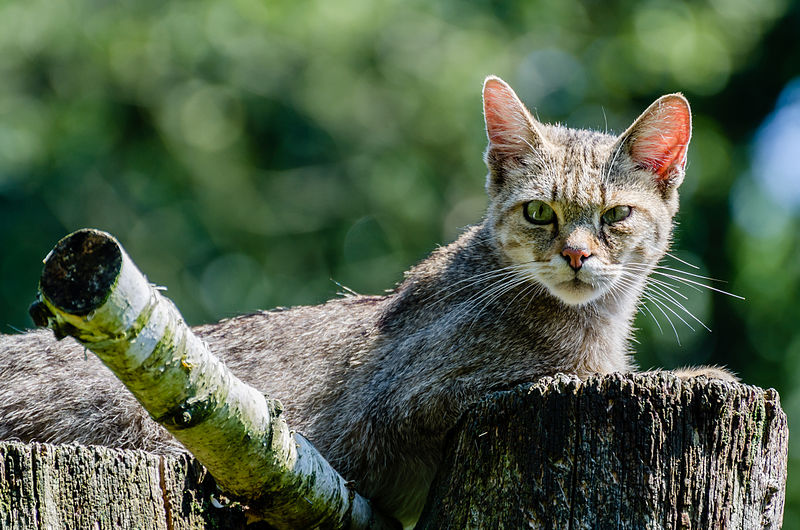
[[549, 281]]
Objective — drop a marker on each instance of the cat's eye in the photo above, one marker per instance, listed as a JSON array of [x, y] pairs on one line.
[[538, 213], [616, 214]]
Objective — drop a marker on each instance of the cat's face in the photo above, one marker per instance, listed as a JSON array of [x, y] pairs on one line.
[[582, 213]]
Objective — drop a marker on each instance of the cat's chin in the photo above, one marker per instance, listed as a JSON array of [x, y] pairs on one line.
[[575, 292]]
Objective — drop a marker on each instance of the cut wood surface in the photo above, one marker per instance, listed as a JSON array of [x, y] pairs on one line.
[[71, 486], [634, 451]]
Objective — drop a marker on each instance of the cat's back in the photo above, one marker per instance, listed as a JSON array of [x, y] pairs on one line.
[[300, 355], [58, 392]]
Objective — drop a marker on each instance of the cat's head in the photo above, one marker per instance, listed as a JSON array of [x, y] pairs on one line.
[[583, 213]]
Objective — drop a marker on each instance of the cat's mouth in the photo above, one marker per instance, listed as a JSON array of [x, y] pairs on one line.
[[575, 288], [576, 291]]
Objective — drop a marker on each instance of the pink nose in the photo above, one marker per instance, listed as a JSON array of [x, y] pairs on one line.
[[575, 256]]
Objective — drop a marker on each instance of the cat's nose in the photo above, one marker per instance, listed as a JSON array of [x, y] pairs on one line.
[[575, 256]]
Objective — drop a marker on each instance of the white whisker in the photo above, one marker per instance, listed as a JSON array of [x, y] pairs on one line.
[[495, 295], [530, 287], [682, 308], [647, 309], [659, 305], [495, 274], [673, 256], [692, 282]]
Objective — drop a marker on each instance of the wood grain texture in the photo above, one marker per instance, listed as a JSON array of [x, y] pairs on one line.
[[46, 486], [621, 451]]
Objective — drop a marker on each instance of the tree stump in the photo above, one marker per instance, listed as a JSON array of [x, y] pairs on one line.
[[621, 451], [71, 486], [633, 451]]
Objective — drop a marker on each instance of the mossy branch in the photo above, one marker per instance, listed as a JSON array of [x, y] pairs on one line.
[[91, 290]]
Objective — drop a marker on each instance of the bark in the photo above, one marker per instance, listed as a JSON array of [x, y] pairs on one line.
[[46, 486], [634, 451], [91, 290]]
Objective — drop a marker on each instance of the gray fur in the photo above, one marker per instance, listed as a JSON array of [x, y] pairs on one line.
[[375, 382]]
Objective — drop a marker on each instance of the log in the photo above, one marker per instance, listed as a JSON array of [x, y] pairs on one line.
[[620, 451], [73, 486], [91, 290]]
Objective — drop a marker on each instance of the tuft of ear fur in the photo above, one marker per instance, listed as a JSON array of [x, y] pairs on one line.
[[659, 138], [510, 127]]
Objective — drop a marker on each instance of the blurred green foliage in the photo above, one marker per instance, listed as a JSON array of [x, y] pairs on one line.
[[250, 154]]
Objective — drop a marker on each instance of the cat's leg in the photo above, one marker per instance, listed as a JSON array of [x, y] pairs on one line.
[[711, 372]]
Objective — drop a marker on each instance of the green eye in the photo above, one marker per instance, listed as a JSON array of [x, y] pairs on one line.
[[616, 214], [539, 213]]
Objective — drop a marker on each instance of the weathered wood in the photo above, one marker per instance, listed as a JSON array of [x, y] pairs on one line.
[[71, 486], [635, 451]]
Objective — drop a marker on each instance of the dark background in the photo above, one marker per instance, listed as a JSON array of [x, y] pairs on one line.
[[250, 154]]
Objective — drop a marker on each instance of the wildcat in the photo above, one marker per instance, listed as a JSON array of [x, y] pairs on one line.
[[548, 282]]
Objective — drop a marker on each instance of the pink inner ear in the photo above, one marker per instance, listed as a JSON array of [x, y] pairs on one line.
[[506, 123], [662, 141]]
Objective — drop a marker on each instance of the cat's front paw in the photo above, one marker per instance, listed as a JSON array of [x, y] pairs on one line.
[[711, 372]]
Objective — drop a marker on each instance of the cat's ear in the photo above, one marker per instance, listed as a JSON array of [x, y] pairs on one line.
[[659, 138], [510, 127]]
